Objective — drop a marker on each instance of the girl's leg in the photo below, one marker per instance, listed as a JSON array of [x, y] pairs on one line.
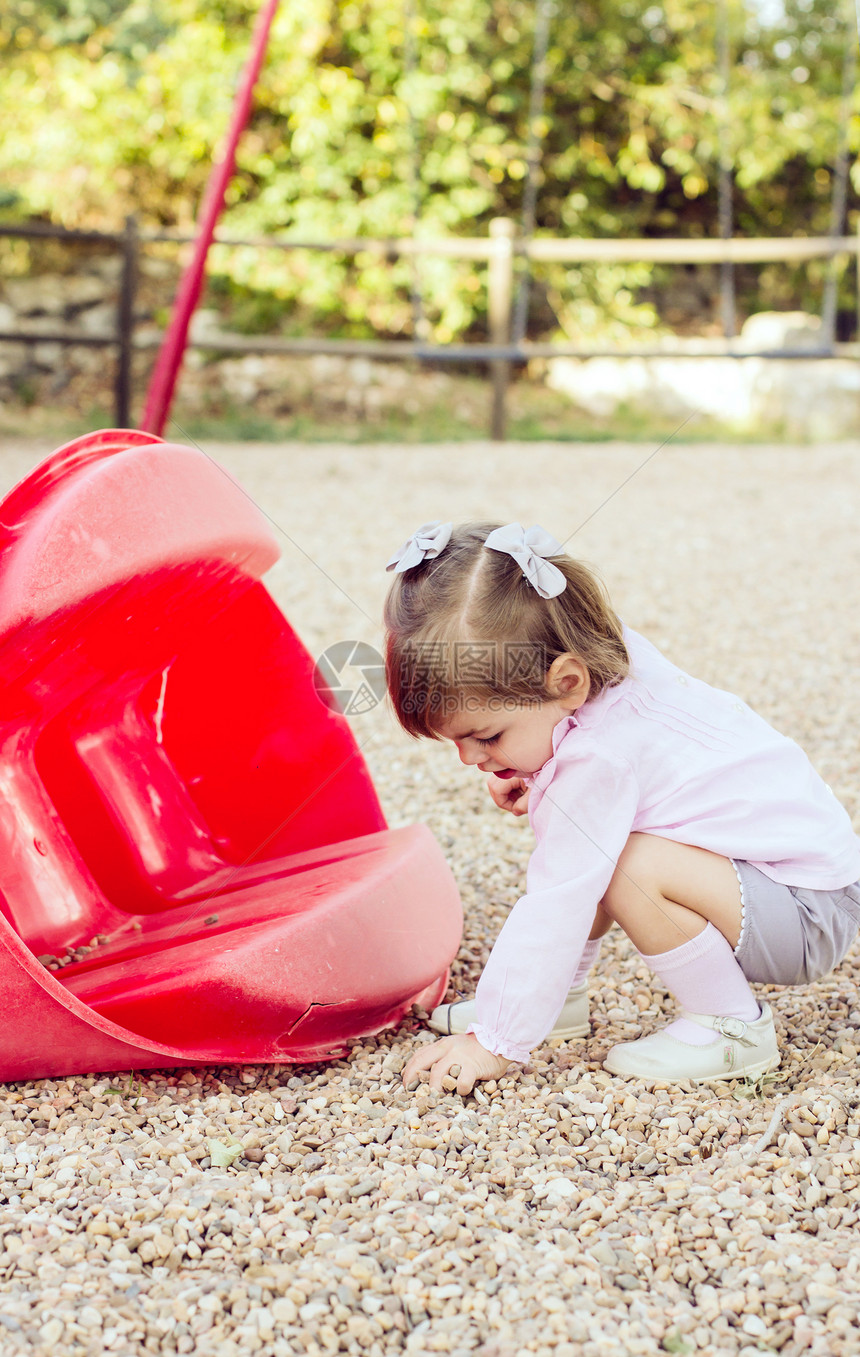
[[664, 893], [602, 924], [681, 907]]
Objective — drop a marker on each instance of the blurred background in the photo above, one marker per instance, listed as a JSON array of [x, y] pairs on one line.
[[418, 121]]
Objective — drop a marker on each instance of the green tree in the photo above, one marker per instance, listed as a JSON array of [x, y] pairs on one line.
[[112, 106]]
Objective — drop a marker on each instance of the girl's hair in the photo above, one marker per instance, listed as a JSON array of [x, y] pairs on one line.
[[468, 628]]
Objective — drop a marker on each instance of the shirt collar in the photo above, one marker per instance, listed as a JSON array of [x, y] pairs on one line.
[[544, 775]]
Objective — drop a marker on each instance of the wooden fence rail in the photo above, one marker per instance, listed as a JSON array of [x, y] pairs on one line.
[[498, 252]]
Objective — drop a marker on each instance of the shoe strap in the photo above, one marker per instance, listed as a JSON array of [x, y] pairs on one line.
[[733, 1028]]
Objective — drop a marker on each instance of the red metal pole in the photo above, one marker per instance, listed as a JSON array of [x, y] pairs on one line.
[[166, 371]]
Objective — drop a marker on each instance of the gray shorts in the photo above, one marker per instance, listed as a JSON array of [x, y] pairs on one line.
[[791, 935]]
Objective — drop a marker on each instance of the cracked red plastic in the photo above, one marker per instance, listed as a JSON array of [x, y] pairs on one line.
[[194, 865]]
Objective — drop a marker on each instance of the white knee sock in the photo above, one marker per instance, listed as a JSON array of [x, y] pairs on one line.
[[587, 960], [704, 977]]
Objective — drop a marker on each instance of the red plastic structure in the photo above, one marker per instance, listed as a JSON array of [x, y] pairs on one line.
[[194, 866], [165, 374]]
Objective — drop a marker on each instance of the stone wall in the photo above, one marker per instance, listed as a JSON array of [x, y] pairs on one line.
[[83, 301]]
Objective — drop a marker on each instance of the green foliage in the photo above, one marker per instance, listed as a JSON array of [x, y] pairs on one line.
[[112, 106]]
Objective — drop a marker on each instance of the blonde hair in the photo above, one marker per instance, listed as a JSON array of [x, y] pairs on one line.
[[468, 624]]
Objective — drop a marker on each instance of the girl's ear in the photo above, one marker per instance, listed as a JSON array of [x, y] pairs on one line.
[[568, 681]]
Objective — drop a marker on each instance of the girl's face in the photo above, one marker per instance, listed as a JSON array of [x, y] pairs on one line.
[[510, 743]]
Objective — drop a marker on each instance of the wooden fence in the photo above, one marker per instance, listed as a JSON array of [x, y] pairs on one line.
[[498, 252]]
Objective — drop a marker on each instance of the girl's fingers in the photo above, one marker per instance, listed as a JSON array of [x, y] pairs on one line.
[[506, 792], [427, 1057], [466, 1081], [434, 1074], [421, 1060], [518, 796], [437, 1074], [449, 1063], [460, 1057], [432, 1063]]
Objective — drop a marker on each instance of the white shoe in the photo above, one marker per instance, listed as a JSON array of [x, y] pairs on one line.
[[744, 1050], [572, 1020]]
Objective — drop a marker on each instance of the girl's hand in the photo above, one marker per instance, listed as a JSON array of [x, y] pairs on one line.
[[509, 793], [462, 1052]]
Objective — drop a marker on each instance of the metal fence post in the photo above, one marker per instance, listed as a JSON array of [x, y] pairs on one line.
[[125, 322], [500, 299]]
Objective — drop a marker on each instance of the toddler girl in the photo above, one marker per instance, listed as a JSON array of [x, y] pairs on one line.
[[657, 803]]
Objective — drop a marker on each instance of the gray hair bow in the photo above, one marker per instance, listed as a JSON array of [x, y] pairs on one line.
[[528, 548], [425, 543]]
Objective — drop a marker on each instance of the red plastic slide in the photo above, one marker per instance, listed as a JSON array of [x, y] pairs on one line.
[[194, 866]]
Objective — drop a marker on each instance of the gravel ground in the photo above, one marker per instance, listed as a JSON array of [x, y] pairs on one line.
[[561, 1211]]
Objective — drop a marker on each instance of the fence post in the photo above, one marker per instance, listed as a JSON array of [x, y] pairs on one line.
[[500, 299], [125, 322]]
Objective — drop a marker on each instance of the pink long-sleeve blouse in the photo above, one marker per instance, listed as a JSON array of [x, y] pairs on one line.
[[661, 753]]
